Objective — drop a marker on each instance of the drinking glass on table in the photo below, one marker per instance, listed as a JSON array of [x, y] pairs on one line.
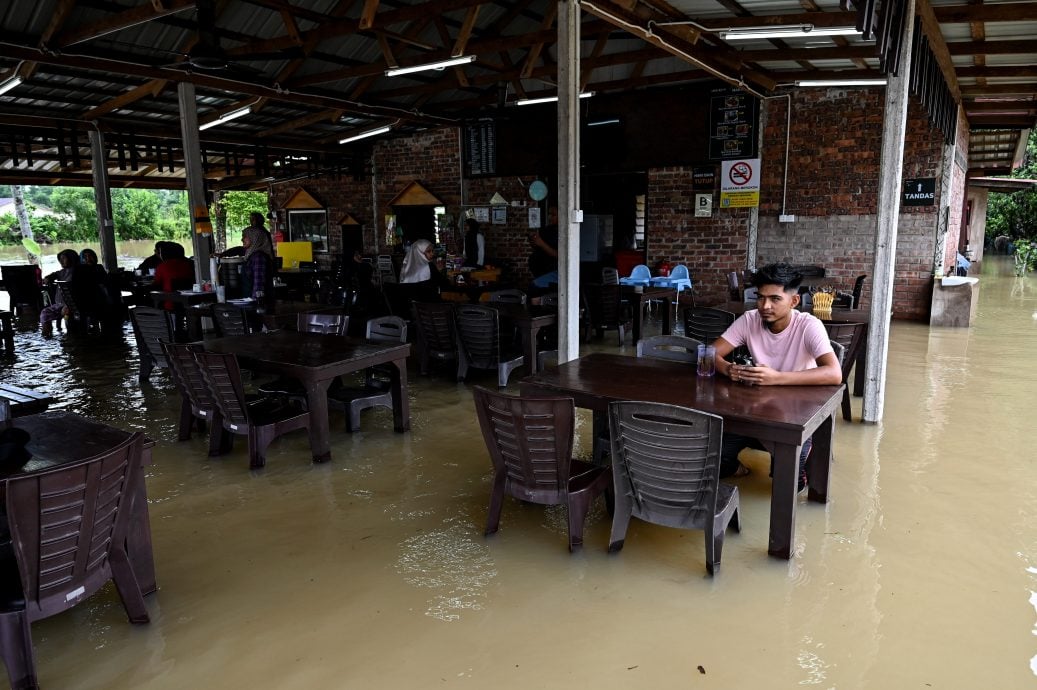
[[706, 360]]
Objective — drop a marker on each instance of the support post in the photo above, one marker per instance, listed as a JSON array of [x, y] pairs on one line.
[[201, 227], [894, 125], [103, 201], [569, 214]]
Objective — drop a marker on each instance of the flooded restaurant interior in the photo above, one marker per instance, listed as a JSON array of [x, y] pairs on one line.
[[577, 177], [372, 570]]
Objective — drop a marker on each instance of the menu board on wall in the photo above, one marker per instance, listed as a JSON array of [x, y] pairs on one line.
[[733, 117], [481, 148]]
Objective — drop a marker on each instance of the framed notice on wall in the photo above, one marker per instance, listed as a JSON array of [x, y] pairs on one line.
[[480, 148], [733, 118]]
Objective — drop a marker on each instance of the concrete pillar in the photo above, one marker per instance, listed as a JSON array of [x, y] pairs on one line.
[[103, 201], [569, 214], [894, 126], [201, 226]]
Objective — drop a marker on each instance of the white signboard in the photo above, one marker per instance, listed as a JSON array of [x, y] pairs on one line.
[[703, 205], [740, 183]]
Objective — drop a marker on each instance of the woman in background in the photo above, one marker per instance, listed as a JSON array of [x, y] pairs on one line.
[[69, 261], [258, 269]]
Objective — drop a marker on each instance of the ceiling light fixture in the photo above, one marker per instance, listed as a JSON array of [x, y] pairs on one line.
[[793, 31], [841, 82], [10, 84], [368, 133], [548, 99], [599, 123], [442, 64], [232, 115]]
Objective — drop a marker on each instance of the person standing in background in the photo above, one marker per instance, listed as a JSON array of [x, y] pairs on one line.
[[258, 269], [474, 244]]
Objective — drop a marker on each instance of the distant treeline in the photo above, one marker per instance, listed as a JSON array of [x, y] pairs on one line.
[[139, 214]]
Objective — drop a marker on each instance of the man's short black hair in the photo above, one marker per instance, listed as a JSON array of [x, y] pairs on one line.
[[778, 274]]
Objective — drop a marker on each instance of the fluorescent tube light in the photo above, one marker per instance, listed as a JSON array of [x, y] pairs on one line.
[[232, 115], [598, 123], [364, 135], [10, 84], [548, 99], [799, 31], [442, 64], [841, 82]]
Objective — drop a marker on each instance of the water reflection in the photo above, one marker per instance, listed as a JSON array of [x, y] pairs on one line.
[[927, 546]]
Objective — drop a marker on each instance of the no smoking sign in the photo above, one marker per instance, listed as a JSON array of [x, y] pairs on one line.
[[740, 183]]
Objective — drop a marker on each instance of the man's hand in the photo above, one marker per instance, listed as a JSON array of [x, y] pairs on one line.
[[760, 375]]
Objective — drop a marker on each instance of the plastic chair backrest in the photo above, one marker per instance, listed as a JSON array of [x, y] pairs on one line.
[[680, 272], [508, 296], [530, 438], [187, 376], [152, 328], [331, 324], [230, 320], [479, 332], [673, 348], [706, 323], [640, 272], [66, 521], [387, 329], [667, 460], [435, 326], [223, 379]]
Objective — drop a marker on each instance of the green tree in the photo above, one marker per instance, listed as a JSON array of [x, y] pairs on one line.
[[1015, 214], [77, 214], [136, 213], [239, 204]]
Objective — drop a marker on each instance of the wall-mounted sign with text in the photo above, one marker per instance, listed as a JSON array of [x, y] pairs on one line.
[[920, 191], [704, 178], [740, 183], [732, 125]]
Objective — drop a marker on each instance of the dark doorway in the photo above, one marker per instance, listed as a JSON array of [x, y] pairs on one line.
[[416, 222]]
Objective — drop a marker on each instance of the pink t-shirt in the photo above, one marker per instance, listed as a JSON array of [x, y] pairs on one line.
[[794, 349]]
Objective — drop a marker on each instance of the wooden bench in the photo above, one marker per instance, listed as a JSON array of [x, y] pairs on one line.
[[24, 402]]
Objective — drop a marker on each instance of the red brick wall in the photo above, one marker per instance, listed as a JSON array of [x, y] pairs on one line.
[[834, 156], [711, 247], [834, 153]]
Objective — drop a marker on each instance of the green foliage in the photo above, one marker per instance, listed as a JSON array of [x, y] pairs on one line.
[[139, 214], [237, 206], [1025, 257], [1015, 214]]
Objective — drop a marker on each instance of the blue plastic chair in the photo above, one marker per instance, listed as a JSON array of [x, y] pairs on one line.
[[639, 276], [679, 279]]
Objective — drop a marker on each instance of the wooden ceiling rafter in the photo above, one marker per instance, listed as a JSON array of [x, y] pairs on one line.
[[119, 21], [533, 55]]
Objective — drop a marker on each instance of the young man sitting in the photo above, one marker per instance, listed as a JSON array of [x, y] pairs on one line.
[[788, 348]]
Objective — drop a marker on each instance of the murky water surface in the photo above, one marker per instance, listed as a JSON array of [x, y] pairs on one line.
[[372, 572]]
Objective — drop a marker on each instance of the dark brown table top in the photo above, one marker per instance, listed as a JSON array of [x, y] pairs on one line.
[[765, 412], [182, 296], [525, 312], [24, 401], [61, 437], [302, 355]]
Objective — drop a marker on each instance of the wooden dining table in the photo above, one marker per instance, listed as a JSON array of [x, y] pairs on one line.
[[783, 417], [24, 401], [528, 319], [59, 437], [283, 315], [315, 360]]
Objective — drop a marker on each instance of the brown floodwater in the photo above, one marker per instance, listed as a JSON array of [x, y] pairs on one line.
[[372, 571]]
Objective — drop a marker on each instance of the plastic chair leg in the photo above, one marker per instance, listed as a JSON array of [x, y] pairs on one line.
[[17, 652]]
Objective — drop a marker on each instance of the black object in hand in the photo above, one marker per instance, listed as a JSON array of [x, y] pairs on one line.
[[743, 358]]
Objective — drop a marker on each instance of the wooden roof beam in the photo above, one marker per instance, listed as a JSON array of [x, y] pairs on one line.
[[151, 88], [931, 29], [534, 51], [122, 20]]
